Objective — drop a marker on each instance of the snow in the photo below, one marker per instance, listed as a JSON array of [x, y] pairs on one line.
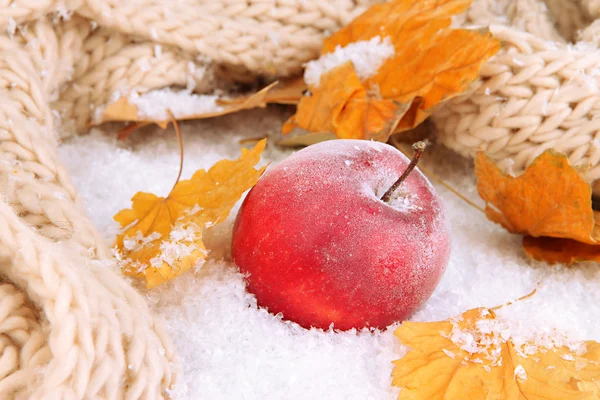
[[486, 339], [11, 27], [401, 199], [153, 105], [180, 246], [366, 56], [520, 373], [232, 349], [62, 14]]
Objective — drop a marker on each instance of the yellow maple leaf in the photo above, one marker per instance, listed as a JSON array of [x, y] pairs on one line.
[[162, 236], [431, 64], [474, 356]]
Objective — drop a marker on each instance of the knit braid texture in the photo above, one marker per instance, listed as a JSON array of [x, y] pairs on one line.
[[541, 91], [71, 327]]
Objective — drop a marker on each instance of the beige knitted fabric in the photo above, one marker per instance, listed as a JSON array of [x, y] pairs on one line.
[[71, 327], [539, 92]]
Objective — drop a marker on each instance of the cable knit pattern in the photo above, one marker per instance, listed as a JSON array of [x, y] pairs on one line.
[[71, 326], [539, 92]]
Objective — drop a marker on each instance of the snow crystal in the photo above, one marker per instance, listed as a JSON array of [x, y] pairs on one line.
[[154, 104], [449, 353], [179, 246], [230, 348], [366, 56], [520, 372], [187, 234], [403, 201], [62, 14], [139, 240], [157, 50], [172, 253], [11, 27], [488, 336]]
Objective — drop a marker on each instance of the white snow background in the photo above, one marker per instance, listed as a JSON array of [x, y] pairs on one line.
[[230, 349]]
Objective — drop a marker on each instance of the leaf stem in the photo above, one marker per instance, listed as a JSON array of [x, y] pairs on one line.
[[428, 173], [418, 148], [510, 303], [180, 140]]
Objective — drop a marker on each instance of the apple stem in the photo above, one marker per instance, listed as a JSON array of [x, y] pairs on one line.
[[418, 148]]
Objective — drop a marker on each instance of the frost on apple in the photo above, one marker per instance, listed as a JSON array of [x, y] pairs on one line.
[[402, 199], [321, 247]]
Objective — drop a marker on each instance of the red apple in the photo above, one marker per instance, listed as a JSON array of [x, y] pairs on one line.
[[321, 247]]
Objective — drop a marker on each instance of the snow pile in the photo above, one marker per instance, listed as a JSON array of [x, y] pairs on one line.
[[181, 244], [488, 335], [153, 105], [232, 349], [366, 56], [172, 250]]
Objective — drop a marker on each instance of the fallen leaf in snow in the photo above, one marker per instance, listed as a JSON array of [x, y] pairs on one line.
[[342, 105], [556, 250], [432, 63], [306, 139], [398, 19], [162, 236], [550, 203], [477, 356], [123, 110], [286, 91], [549, 199]]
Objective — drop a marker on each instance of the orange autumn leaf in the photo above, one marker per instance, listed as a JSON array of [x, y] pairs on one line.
[[439, 72], [162, 236], [431, 64], [555, 250], [367, 115], [550, 203], [549, 199], [319, 110], [396, 19], [475, 356], [342, 105]]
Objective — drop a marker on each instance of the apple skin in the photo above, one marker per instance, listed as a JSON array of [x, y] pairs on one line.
[[320, 247]]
